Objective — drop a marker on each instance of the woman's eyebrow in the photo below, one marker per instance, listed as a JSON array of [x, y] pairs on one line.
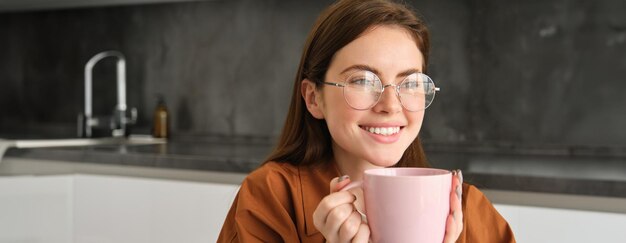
[[408, 72], [375, 71], [361, 67]]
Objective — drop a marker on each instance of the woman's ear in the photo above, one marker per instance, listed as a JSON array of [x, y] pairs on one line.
[[312, 99]]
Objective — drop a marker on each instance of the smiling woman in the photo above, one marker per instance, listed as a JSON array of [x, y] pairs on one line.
[[340, 123], [390, 51]]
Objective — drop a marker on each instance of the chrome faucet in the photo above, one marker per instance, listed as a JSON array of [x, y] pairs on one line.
[[119, 122]]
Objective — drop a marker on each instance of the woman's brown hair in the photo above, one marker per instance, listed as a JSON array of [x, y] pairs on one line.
[[306, 140]]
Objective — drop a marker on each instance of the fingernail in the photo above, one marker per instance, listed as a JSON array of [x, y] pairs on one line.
[[458, 192], [460, 176], [343, 177]]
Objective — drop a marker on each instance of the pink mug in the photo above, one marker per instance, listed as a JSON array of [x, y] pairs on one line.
[[406, 204]]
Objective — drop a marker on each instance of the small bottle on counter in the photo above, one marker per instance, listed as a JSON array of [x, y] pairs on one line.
[[160, 122]]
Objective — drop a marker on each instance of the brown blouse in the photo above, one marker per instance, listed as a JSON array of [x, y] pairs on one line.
[[276, 202]]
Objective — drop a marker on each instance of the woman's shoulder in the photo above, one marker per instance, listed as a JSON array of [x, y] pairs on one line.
[[471, 189], [266, 205], [272, 174], [283, 177], [481, 220], [273, 169], [474, 197]]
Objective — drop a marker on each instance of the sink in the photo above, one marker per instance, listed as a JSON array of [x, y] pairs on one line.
[[73, 142], [43, 143]]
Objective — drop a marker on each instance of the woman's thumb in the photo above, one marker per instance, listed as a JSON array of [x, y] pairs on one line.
[[339, 182]]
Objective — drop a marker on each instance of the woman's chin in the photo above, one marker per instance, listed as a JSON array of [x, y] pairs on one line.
[[385, 162]]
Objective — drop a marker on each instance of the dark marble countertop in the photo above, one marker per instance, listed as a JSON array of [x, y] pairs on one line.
[[575, 174], [225, 157]]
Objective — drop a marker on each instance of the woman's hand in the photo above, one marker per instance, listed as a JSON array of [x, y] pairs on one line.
[[336, 218], [454, 224]]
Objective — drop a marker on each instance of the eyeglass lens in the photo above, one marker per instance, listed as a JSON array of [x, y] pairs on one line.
[[363, 90]]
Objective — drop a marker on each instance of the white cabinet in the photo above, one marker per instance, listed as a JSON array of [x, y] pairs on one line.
[[36, 209], [89, 208], [547, 225]]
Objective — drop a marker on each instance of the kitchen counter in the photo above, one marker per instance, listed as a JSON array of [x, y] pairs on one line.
[[223, 157], [578, 175]]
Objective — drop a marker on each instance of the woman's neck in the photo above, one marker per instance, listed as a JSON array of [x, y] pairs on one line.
[[350, 165]]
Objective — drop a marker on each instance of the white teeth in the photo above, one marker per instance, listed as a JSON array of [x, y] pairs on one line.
[[386, 131]]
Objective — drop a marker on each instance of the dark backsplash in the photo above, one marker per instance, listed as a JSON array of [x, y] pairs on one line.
[[520, 72]]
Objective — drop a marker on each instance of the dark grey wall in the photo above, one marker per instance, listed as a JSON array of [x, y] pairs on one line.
[[554, 71], [531, 72]]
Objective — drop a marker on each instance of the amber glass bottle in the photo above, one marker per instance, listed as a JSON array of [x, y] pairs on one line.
[[160, 122]]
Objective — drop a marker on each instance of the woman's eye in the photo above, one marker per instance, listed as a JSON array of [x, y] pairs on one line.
[[410, 85], [362, 81]]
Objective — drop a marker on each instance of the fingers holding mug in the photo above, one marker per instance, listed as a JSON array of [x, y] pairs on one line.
[[336, 216], [363, 235], [454, 222], [339, 183], [350, 227], [338, 222]]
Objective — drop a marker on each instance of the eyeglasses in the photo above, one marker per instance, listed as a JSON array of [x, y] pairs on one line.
[[362, 90]]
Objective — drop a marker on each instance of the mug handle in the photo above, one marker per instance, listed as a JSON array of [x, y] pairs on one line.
[[353, 185]]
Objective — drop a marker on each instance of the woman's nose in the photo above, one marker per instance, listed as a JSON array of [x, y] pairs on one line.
[[389, 101]]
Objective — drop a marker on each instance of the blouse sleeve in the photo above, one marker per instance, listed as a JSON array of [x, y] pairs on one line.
[[262, 210], [481, 221]]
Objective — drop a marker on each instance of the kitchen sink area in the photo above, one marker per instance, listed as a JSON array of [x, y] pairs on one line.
[[72, 142], [6, 144]]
